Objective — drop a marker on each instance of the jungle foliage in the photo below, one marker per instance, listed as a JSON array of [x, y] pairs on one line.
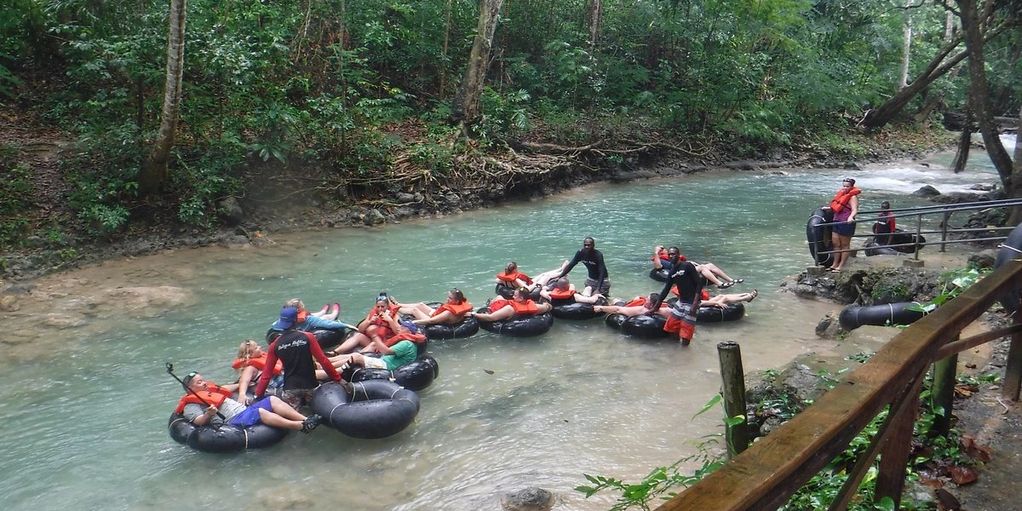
[[352, 88]]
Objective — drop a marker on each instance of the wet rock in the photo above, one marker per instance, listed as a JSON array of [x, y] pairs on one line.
[[452, 198], [231, 211], [374, 217], [64, 321], [984, 259], [9, 303], [405, 197], [926, 191], [528, 499], [829, 327], [960, 197]]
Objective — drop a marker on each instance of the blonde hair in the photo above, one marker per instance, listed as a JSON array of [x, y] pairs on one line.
[[245, 349], [296, 303]]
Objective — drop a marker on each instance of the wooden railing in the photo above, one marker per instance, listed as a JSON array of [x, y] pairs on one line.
[[766, 475]]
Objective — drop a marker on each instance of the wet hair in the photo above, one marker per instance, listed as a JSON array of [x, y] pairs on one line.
[[296, 303], [848, 180], [523, 291], [885, 205], [187, 381], [511, 267], [458, 295], [562, 283], [590, 241]]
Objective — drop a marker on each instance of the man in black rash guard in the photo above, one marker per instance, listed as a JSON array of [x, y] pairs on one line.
[[597, 282], [682, 317]]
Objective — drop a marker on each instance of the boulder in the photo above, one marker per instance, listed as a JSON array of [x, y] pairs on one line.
[[528, 499], [926, 191]]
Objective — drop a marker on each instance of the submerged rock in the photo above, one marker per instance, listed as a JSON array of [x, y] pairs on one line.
[[926, 191], [528, 499]]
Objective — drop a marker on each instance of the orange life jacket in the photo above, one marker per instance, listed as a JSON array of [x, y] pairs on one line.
[[458, 309], [842, 198], [405, 336], [257, 362], [509, 278], [703, 294], [562, 294], [639, 300], [498, 303], [662, 254], [526, 308], [214, 396]]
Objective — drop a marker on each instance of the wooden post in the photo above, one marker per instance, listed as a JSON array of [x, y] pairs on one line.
[[1013, 365], [944, 379], [895, 452], [733, 377]]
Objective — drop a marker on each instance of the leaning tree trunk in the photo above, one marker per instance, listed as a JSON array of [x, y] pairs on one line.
[[939, 66], [979, 98], [154, 171], [594, 18], [467, 102]]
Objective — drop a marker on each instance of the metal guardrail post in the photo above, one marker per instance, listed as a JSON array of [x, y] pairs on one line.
[[943, 229], [919, 228]]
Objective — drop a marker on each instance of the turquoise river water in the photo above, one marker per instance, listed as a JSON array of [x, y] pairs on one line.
[[86, 397]]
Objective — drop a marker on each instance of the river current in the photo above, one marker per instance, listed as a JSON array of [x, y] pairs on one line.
[[86, 397]]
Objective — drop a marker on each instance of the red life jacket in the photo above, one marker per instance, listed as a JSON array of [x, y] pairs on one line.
[[509, 278], [562, 294], [257, 362], [457, 309], [703, 294], [638, 300], [662, 254], [526, 308], [405, 336], [889, 218], [214, 396], [842, 198]]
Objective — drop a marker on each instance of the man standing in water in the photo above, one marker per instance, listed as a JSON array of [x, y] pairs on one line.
[[597, 282], [299, 351], [682, 316]]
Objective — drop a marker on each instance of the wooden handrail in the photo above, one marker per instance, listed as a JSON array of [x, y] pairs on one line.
[[767, 474]]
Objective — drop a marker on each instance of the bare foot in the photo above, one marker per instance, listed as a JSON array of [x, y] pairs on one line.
[[754, 294]]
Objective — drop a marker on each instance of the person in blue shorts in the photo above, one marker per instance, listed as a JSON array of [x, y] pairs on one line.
[[205, 398]]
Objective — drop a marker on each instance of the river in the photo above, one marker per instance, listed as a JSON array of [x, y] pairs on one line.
[[86, 397]]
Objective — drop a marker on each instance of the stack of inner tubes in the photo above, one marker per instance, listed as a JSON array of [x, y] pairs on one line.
[[818, 235]]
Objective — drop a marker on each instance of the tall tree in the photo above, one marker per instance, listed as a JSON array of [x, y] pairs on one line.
[[979, 93], [906, 49], [467, 102], [594, 18], [154, 171]]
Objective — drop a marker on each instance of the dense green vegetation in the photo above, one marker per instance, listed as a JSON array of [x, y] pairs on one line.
[[361, 90]]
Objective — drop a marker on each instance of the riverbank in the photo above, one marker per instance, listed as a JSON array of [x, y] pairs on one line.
[[269, 206]]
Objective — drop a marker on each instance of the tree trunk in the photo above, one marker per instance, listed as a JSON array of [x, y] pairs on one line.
[[154, 172], [467, 105], [964, 144], [906, 49], [1016, 213], [939, 66], [594, 18], [447, 40], [980, 98]]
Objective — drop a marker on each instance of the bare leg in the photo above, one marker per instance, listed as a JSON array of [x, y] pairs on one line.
[[543, 278], [634, 310], [351, 343], [444, 318], [273, 420], [418, 310], [582, 298], [712, 268], [284, 410]]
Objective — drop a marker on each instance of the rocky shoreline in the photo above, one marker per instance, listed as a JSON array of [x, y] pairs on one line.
[[252, 222]]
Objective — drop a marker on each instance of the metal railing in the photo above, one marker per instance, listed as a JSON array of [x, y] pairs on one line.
[[945, 210], [766, 475]]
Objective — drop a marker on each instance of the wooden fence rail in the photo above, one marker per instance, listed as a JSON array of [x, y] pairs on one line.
[[766, 475]]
